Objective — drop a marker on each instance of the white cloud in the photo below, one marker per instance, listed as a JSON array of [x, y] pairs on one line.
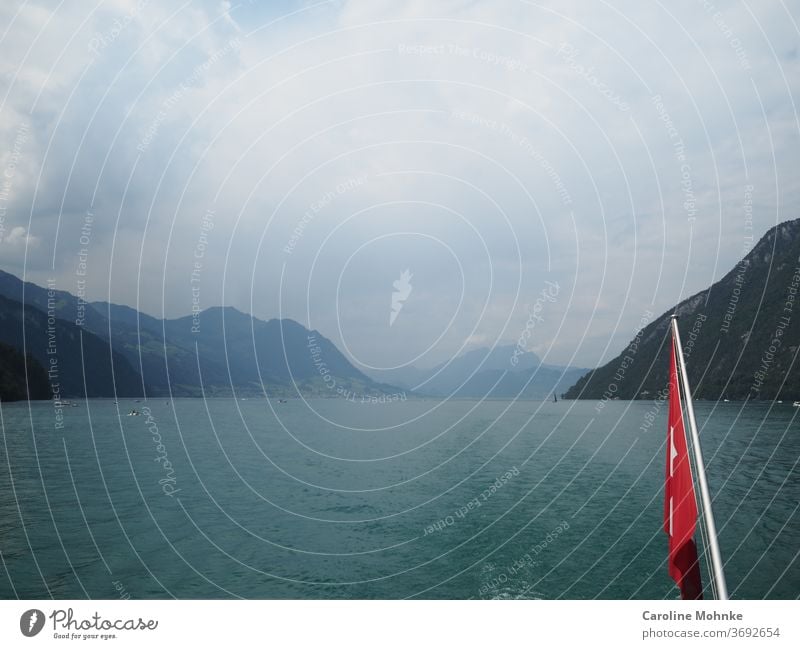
[[18, 237]]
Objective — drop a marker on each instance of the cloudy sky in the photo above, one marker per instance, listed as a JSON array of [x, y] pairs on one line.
[[293, 159]]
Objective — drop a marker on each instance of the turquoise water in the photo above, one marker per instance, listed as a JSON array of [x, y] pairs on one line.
[[334, 499]]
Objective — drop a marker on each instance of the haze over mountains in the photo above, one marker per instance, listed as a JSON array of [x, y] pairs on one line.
[[224, 351], [741, 336], [486, 372], [741, 340]]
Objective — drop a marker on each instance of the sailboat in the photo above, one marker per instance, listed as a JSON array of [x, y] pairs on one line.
[[680, 505]]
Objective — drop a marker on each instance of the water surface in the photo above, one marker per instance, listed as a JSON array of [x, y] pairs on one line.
[[332, 499]]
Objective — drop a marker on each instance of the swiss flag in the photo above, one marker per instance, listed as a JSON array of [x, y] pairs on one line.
[[680, 508]]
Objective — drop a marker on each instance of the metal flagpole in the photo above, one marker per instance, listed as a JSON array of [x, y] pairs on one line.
[[705, 495]]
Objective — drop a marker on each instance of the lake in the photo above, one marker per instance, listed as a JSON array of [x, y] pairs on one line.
[[329, 498]]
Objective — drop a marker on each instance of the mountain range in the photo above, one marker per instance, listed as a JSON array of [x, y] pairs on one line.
[[486, 372], [115, 350], [740, 336]]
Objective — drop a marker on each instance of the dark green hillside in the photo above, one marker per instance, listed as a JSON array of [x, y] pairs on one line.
[[136, 336], [66, 351], [14, 384], [740, 336]]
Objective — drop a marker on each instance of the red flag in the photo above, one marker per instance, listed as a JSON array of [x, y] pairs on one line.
[[680, 508]]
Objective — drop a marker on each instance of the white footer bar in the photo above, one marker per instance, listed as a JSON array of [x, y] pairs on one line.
[[401, 624]]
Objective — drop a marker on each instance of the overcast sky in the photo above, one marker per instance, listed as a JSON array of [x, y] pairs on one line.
[[298, 157]]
